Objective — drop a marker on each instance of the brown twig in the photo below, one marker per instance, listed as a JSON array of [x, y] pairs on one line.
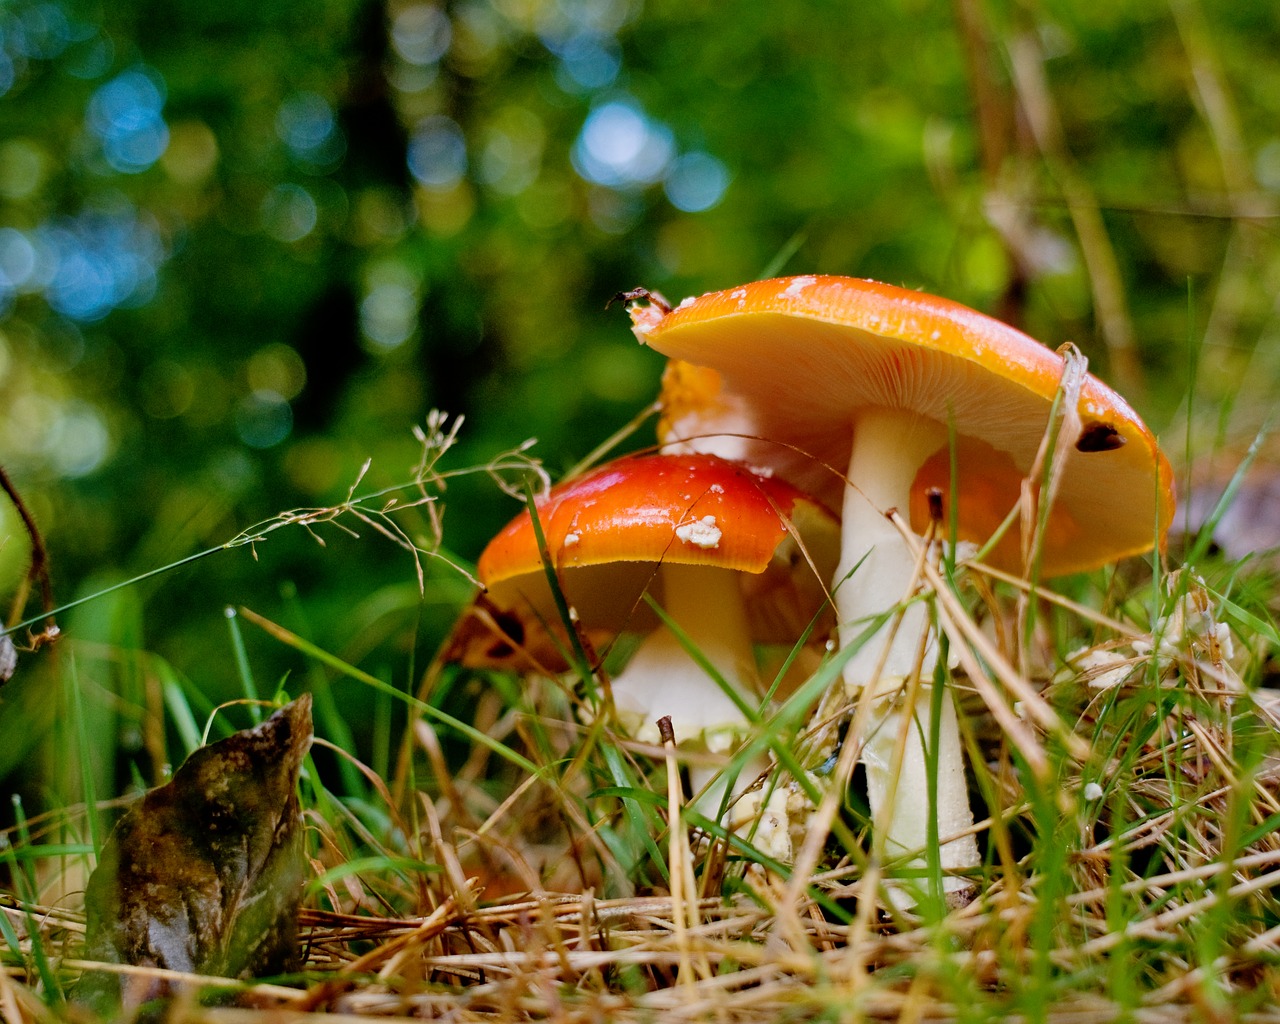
[[37, 570]]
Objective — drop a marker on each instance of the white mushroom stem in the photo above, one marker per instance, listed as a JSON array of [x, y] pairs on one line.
[[662, 678], [889, 447]]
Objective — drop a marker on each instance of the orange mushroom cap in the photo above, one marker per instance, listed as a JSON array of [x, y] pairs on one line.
[[608, 530], [795, 358]]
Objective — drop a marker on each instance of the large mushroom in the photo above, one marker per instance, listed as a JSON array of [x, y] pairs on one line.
[[732, 557], [851, 389]]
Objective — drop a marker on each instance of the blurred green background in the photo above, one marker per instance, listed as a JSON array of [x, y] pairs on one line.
[[245, 247]]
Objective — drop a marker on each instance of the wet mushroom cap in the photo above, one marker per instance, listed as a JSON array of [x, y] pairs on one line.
[[609, 530], [795, 358]]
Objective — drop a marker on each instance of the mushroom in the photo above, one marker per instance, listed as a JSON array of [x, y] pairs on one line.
[[732, 558], [849, 389]]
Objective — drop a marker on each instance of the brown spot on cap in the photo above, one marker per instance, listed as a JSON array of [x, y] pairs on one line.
[[1099, 437]]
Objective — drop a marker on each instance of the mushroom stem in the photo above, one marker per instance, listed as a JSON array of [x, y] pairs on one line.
[[889, 447], [663, 679]]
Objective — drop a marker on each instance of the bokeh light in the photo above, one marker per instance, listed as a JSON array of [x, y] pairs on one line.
[[24, 166], [263, 419], [91, 53], [95, 262], [389, 309], [278, 368], [17, 264], [588, 61], [41, 31], [8, 73], [192, 154], [308, 127], [1267, 165], [696, 182], [68, 436], [421, 34], [511, 158], [437, 155], [289, 213], [622, 147], [124, 117], [78, 442]]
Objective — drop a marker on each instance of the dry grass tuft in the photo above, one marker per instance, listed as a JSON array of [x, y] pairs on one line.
[[1132, 867]]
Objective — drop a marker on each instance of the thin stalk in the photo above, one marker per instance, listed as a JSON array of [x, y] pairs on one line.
[[243, 667], [679, 861], [88, 786]]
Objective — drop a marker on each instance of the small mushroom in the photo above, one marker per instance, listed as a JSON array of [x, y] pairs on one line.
[[732, 557], [848, 389]]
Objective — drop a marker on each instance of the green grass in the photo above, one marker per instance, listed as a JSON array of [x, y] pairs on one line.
[[506, 854]]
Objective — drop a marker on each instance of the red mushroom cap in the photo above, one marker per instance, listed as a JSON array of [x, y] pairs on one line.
[[794, 359], [608, 530]]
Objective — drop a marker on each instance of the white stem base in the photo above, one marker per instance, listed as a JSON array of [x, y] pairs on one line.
[[905, 820], [662, 679], [889, 446]]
